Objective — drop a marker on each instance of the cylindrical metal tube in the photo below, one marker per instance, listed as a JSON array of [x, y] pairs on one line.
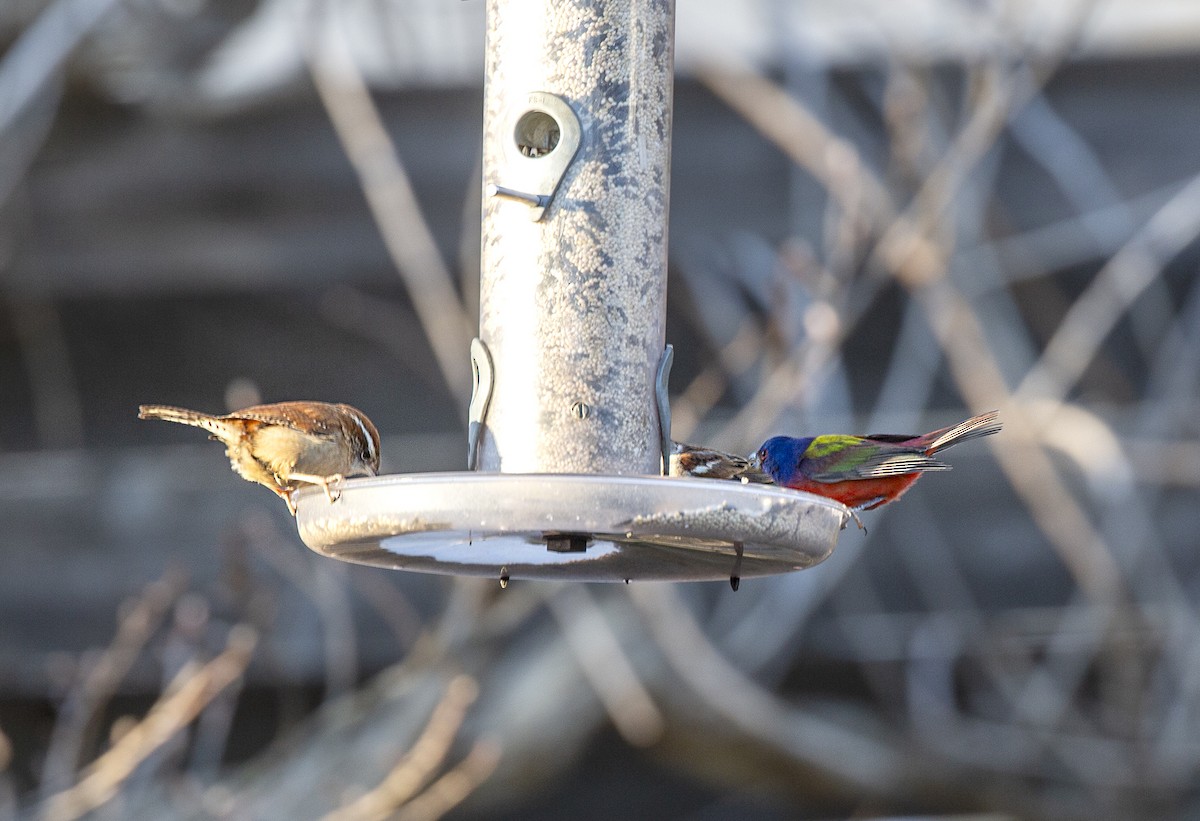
[[573, 307]]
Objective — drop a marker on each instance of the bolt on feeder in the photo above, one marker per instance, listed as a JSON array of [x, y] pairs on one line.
[[569, 425]]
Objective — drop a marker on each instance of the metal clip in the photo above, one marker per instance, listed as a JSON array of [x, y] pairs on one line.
[[663, 399], [482, 381], [545, 138]]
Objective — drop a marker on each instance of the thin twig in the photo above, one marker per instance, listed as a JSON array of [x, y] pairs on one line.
[[393, 606], [414, 769], [393, 203], [57, 406], [704, 391], [322, 583], [856, 758], [31, 72], [453, 787], [1110, 294], [83, 706], [921, 266], [190, 692], [606, 666]]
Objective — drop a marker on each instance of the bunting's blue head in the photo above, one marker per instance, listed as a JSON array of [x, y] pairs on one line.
[[780, 457]]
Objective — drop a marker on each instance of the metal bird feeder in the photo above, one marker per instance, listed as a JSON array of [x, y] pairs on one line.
[[569, 421]]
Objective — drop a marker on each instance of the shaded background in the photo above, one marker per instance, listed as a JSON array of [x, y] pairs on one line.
[[884, 216]]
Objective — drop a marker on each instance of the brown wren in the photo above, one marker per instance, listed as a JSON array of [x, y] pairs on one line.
[[286, 443]]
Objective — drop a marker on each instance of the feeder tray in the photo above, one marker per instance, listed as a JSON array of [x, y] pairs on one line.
[[580, 527]]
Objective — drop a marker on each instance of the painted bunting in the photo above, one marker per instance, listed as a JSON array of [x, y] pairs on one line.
[[863, 472]]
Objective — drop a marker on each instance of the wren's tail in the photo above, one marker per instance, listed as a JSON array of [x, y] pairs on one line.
[[218, 427], [985, 424]]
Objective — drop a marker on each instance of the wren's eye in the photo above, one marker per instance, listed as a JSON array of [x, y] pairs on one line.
[[365, 456]]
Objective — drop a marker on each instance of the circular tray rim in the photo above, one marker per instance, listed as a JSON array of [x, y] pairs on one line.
[[717, 530]]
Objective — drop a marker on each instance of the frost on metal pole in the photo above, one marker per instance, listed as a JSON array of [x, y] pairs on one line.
[[576, 168], [569, 420]]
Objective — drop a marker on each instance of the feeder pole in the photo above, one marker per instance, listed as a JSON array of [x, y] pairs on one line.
[[576, 175]]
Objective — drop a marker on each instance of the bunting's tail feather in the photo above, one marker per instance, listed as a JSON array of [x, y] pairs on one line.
[[985, 424]]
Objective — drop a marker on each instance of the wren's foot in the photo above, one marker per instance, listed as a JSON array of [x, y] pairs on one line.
[[327, 482], [333, 493], [286, 495]]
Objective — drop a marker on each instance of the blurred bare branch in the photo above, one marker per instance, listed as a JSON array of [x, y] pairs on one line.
[[100, 679], [390, 603], [57, 404], [393, 203], [428, 752], [321, 583], [452, 787], [33, 64], [191, 691], [606, 666], [921, 265], [858, 759], [1118, 285], [8, 794]]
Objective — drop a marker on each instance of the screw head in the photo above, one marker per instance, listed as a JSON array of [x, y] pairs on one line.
[[580, 410]]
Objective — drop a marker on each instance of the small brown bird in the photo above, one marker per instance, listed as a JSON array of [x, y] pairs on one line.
[[286, 443], [707, 463]]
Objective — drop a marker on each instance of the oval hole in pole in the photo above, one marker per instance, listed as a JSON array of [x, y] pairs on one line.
[[537, 134]]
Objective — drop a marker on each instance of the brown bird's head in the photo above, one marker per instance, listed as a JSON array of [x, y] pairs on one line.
[[361, 433]]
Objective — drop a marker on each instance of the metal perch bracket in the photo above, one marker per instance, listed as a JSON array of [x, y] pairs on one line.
[[482, 379], [662, 398], [545, 138]]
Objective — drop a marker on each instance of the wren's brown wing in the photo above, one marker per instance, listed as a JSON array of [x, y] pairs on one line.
[[317, 418]]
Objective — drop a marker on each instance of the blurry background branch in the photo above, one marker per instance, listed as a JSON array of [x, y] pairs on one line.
[[908, 252], [389, 193], [81, 711], [187, 695], [410, 775]]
